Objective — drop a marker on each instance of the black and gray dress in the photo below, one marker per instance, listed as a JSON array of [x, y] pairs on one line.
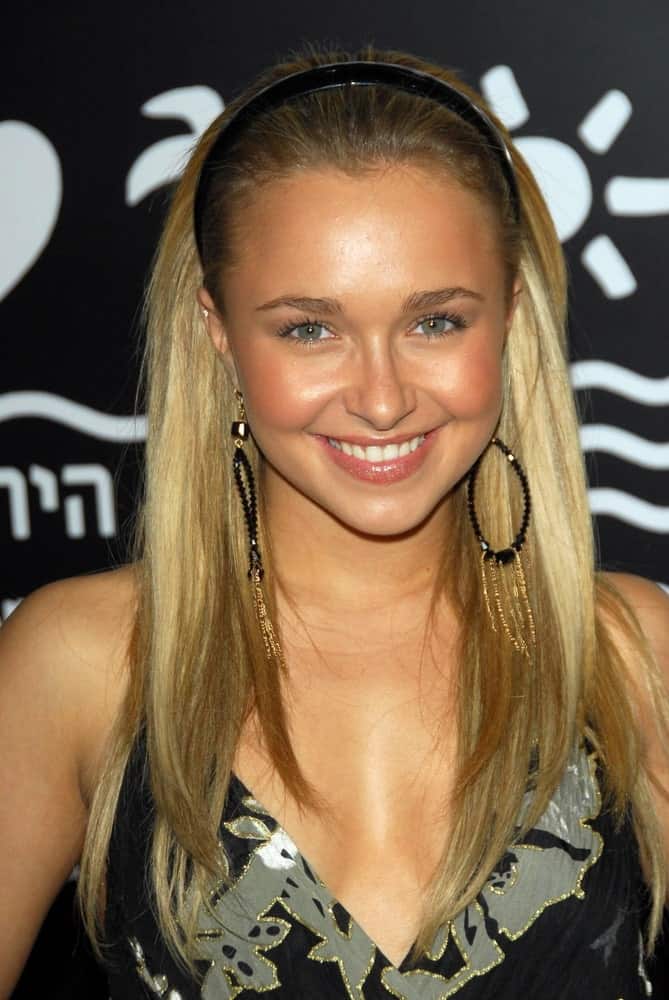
[[559, 918]]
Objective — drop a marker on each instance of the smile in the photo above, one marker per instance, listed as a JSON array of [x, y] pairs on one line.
[[382, 464], [378, 453]]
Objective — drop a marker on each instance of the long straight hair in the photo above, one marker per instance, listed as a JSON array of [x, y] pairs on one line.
[[196, 654]]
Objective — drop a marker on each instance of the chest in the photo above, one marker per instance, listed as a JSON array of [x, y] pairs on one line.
[[372, 727], [558, 916], [384, 781]]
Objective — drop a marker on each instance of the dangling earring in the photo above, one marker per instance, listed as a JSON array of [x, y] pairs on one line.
[[245, 482], [518, 622]]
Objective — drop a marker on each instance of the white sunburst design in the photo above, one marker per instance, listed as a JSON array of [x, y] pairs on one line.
[[565, 182]]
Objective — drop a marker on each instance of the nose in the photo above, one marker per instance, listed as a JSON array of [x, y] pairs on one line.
[[379, 391]]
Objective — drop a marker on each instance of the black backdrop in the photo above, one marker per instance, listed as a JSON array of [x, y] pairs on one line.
[[99, 106]]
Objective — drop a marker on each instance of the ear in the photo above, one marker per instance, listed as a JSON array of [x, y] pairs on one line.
[[216, 331]]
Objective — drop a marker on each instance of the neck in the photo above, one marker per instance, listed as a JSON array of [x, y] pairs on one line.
[[322, 563], [344, 597]]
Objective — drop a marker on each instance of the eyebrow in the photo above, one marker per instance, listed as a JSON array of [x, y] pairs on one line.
[[417, 301]]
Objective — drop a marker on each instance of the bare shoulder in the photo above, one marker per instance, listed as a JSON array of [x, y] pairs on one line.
[[63, 656], [62, 679], [82, 623], [77, 602], [650, 604]]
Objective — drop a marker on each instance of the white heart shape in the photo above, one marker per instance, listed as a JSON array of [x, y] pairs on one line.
[[30, 197]]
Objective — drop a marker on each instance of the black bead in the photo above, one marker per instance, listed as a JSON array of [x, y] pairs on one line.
[[503, 555], [240, 429]]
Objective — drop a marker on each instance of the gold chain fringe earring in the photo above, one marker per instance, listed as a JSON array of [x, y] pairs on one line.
[[245, 482], [518, 621]]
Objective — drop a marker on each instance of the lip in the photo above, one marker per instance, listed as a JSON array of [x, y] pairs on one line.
[[386, 471], [366, 442]]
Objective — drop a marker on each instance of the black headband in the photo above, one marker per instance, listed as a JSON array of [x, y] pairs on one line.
[[353, 74]]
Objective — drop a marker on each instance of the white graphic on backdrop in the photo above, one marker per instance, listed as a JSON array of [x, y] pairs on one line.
[[50, 406], [594, 437], [560, 171], [162, 163], [564, 180], [622, 381], [629, 447], [7, 605], [30, 197], [623, 444], [46, 485], [565, 184], [637, 196], [31, 194], [630, 509], [589, 374]]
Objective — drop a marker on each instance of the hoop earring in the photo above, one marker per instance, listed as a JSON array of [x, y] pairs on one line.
[[518, 622], [246, 487]]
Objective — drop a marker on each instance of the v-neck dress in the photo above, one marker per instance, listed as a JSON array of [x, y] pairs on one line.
[[560, 917]]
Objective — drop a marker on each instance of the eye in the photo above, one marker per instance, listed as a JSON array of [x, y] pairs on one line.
[[310, 332], [441, 325]]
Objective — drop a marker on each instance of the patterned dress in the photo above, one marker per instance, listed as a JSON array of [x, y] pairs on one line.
[[559, 918]]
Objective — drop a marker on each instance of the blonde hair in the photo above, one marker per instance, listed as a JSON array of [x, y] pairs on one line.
[[197, 663]]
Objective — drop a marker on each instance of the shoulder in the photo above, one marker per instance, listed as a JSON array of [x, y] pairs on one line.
[[645, 632], [649, 695], [650, 605], [63, 659], [62, 668], [82, 622]]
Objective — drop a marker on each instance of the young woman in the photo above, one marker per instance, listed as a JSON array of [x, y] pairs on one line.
[[362, 719]]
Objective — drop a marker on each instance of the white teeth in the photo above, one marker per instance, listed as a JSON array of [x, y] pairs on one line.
[[378, 453]]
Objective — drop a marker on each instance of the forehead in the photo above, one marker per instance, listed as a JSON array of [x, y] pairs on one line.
[[402, 224]]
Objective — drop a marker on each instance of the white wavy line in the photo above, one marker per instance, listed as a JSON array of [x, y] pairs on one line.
[[633, 510], [81, 418], [625, 445], [620, 380]]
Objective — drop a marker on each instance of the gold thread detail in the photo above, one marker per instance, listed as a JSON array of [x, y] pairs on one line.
[[520, 629], [270, 639]]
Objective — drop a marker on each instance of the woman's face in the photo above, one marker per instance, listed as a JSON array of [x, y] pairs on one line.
[[365, 322]]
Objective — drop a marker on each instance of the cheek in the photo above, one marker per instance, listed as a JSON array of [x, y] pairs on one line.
[[473, 386], [276, 391]]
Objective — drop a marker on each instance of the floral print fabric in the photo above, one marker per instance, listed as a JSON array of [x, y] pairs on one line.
[[559, 917]]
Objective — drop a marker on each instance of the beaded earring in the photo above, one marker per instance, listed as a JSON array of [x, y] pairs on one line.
[[517, 622], [245, 482]]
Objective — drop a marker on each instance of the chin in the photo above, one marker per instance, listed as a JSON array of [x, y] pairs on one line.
[[384, 523]]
